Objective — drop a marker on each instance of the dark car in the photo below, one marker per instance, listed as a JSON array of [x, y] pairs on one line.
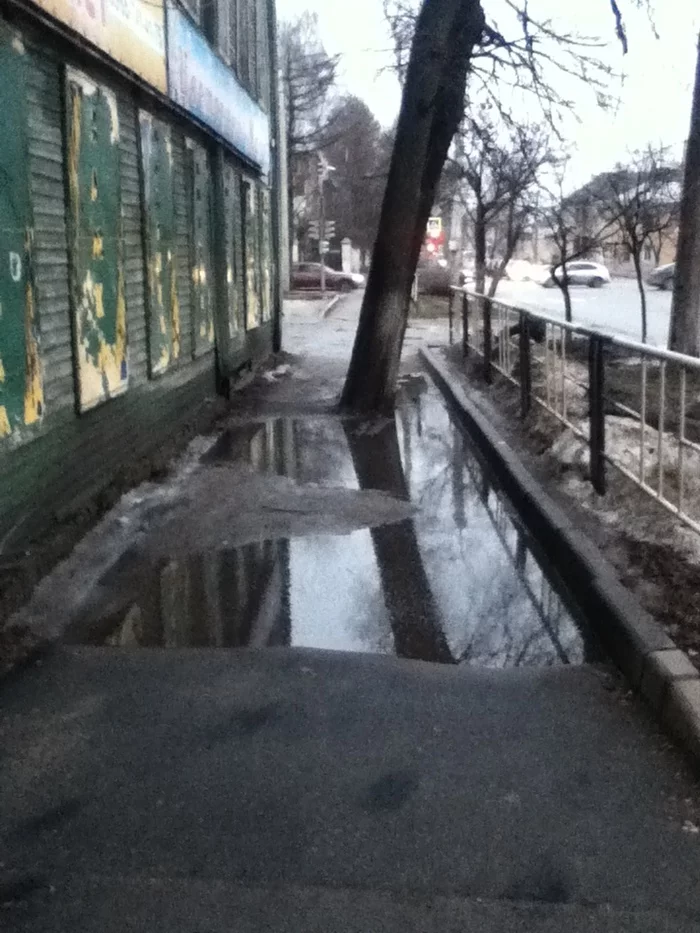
[[308, 275], [662, 277]]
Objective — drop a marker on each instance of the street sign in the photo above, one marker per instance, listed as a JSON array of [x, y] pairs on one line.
[[435, 228]]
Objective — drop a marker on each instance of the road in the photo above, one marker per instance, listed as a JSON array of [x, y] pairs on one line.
[[614, 308]]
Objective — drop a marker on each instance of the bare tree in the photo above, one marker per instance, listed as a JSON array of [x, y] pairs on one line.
[[309, 76], [637, 203], [444, 39], [524, 50], [431, 110], [684, 334], [501, 164], [360, 153], [567, 219]]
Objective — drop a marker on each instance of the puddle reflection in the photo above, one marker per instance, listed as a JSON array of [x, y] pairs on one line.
[[461, 583]]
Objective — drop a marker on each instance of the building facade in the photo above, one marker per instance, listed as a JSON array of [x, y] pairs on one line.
[[138, 195]]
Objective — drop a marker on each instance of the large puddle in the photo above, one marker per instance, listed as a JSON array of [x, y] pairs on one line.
[[461, 582]]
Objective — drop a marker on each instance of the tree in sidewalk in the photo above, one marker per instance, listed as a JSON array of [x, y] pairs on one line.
[[684, 336], [309, 81], [501, 164], [638, 204], [431, 110], [444, 37]]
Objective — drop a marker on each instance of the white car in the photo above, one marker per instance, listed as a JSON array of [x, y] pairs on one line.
[[580, 272]]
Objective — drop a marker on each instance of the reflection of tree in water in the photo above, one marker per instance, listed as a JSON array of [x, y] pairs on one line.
[[410, 604], [514, 615]]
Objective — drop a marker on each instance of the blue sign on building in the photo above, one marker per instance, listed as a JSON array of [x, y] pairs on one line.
[[201, 83]]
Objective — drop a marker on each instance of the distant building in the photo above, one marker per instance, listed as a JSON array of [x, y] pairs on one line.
[[610, 248]]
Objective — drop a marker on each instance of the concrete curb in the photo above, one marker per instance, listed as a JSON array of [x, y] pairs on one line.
[[648, 658], [329, 307]]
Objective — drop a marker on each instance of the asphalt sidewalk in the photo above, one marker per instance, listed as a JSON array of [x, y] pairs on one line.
[[286, 789]]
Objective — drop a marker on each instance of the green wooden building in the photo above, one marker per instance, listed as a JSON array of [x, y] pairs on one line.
[[138, 219]]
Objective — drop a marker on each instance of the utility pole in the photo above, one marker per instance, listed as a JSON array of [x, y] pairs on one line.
[[684, 333], [322, 175], [324, 170]]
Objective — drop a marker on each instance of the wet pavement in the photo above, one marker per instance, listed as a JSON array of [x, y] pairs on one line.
[[460, 582], [514, 786]]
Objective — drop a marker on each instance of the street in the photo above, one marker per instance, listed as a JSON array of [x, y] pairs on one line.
[[615, 308]]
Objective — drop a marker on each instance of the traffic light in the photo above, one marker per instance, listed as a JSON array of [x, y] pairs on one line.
[[314, 231], [329, 231]]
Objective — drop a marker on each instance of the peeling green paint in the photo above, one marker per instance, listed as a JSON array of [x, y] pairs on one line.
[[97, 275], [251, 232], [159, 233], [21, 387], [202, 265]]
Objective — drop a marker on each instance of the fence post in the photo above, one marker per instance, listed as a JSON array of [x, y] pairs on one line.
[[465, 325], [488, 341], [596, 393], [450, 314], [525, 366]]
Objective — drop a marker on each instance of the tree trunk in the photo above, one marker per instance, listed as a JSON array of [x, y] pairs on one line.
[[480, 249], [636, 259], [513, 236], [685, 312], [289, 105], [431, 109], [563, 287]]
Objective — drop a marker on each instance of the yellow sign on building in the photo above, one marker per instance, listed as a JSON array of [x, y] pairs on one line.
[[130, 31]]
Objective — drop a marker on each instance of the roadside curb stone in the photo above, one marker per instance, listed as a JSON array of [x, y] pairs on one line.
[[638, 645], [329, 307]]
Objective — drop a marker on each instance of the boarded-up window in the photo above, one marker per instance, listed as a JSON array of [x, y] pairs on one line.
[[263, 41], [234, 263], [164, 338], [21, 391], [244, 19], [265, 254], [97, 273], [253, 46], [203, 299], [233, 33], [251, 233]]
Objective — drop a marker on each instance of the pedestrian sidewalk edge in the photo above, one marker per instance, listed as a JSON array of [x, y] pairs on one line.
[[329, 307], [649, 659]]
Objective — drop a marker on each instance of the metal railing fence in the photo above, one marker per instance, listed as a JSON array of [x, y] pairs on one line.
[[636, 407]]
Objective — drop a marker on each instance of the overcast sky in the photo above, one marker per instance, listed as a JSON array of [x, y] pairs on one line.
[[655, 95]]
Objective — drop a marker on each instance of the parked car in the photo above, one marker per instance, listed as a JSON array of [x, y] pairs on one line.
[[662, 277], [592, 274], [308, 275]]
